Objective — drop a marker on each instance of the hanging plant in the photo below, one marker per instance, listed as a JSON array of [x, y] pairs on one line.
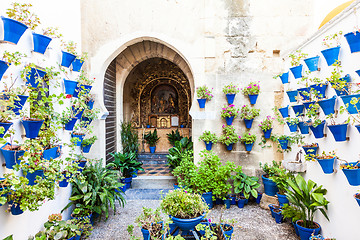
[[228, 137], [252, 90], [296, 58], [248, 139], [332, 44], [266, 126]]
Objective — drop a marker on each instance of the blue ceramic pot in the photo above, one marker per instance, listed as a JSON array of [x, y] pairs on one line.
[[79, 139], [352, 175], [304, 127], [70, 86], [284, 143], [241, 202], [86, 121], [327, 165], [18, 104], [267, 133], [208, 145], [152, 149], [318, 131], [3, 67], [233, 200], [353, 39], [249, 147], [351, 108], [32, 128], [90, 104], [292, 95], [187, 224], [229, 120], [284, 77], [282, 199], [15, 208], [64, 182], [292, 126], [320, 89], [51, 153], [230, 98], [227, 203], [304, 93], [297, 71], [339, 131], [11, 157], [309, 105], [69, 126], [248, 122], [67, 59], [328, 105], [33, 77], [253, 98], [312, 63], [32, 176], [278, 215], [270, 187], [80, 88], [357, 198], [77, 64], [331, 55], [311, 150], [6, 127], [41, 43], [13, 30], [258, 199], [284, 112], [272, 207], [229, 147], [227, 233], [305, 233], [207, 197], [298, 109], [86, 149], [201, 102]]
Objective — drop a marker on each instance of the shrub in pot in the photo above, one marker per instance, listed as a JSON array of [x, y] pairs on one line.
[[151, 223], [248, 139], [245, 185], [87, 143], [209, 139], [252, 91], [248, 114], [203, 94], [228, 137], [280, 177], [230, 90], [266, 126], [229, 113], [181, 148], [151, 139], [270, 187]]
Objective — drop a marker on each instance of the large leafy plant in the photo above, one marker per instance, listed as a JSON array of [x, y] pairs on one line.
[[126, 163], [174, 136], [151, 138], [129, 137], [245, 184], [176, 153], [308, 197]]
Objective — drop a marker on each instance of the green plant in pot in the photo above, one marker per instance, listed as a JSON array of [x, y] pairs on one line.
[[151, 139], [228, 137], [244, 185], [173, 137], [280, 177], [248, 139], [150, 222], [309, 198], [209, 139], [129, 137], [126, 163], [186, 171], [176, 153], [86, 143]]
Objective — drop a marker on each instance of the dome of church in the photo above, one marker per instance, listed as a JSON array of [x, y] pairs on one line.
[[335, 12]]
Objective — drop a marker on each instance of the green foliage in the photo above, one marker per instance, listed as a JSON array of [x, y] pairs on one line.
[[185, 171], [89, 141], [296, 57], [229, 111], [129, 138], [270, 169], [230, 89], [245, 184], [280, 176], [182, 148], [151, 138], [229, 136], [204, 93], [308, 197], [182, 204], [22, 13], [332, 40], [174, 136], [247, 112], [13, 58], [291, 212], [252, 89], [207, 137], [126, 163], [267, 123], [248, 138]]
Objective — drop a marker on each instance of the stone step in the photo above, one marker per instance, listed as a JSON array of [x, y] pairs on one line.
[[153, 182], [144, 194], [148, 158]]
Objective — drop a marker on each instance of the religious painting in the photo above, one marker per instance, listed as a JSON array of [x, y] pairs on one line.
[[164, 100]]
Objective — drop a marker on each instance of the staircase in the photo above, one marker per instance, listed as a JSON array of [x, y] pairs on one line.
[[155, 178]]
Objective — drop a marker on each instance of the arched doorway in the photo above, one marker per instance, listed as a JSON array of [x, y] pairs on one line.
[[147, 72]]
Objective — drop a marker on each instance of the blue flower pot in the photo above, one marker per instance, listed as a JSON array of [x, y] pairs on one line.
[[309, 105], [292, 95], [229, 147], [41, 43], [32, 128], [229, 120], [270, 187], [351, 108], [228, 233], [339, 131], [81, 165], [304, 93], [233, 200], [292, 127], [298, 109], [148, 126], [331, 55], [284, 112], [282, 199], [208, 145], [64, 182], [304, 127], [310, 150], [258, 199], [249, 147], [357, 198], [127, 182], [67, 59], [241, 202], [187, 224], [152, 149], [358, 72], [278, 216], [86, 121], [79, 139], [90, 104], [352, 175], [312, 63], [86, 149], [230, 98], [6, 127], [248, 123], [283, 144], [207, 197], [253, 98], [295, 227], [32, 176], [327, 165], [81, 88], [358, 128], [272, 207], [267, 133], [305, 233], [77, 64], [328, 105], [51, 153], [227, 203], [69, 126], [320, 89], [18, 104], [15, 208], [201, 102], [319, 130], [11, 157], [70, 86], [284, 77], [13, 30], [33, 77], [353, 39], [145, 233], [219, 201], [3, 67], [297, 71]]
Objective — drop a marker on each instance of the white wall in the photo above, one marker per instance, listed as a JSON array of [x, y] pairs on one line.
[[343, 209], [51, 13]]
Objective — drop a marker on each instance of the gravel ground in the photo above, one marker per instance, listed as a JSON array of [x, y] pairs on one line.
[[253, 222]]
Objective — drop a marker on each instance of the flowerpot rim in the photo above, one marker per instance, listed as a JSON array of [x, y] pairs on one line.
[[189, 219], [13, 20], [317, 224], [42, 35]]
